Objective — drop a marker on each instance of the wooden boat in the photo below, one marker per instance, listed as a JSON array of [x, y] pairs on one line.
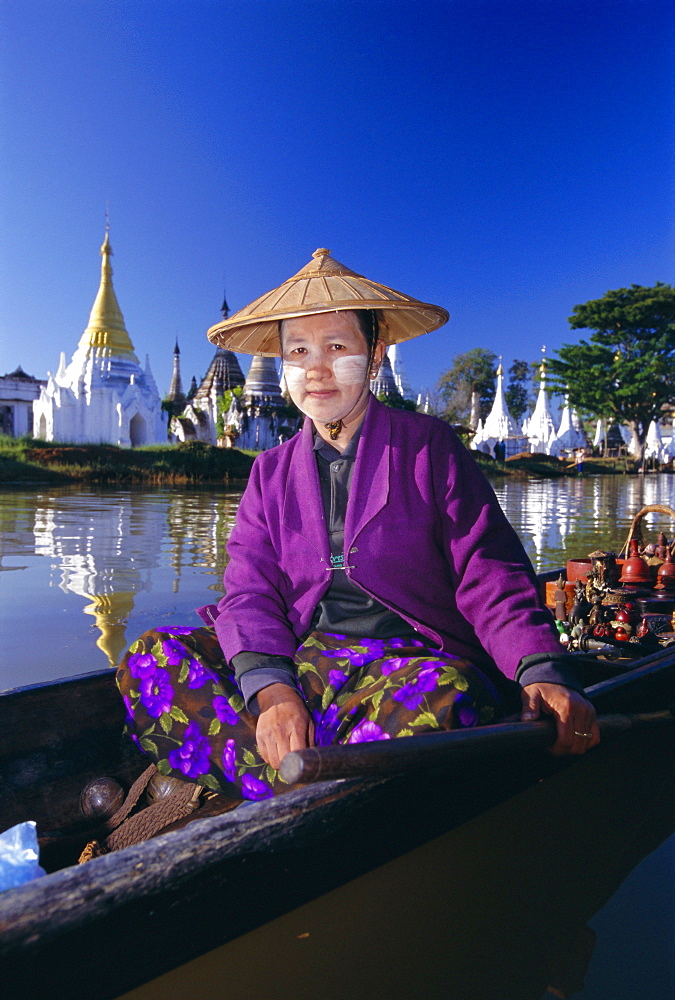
[[102, 928]]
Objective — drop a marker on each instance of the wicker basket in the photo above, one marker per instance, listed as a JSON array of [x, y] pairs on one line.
[[636, 527]]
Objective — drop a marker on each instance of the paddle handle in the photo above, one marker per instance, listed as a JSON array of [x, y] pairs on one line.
[[412, 752]]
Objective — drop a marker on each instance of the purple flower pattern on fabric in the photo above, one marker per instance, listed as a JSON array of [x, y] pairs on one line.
[[412, 694], [255, 789], [230, 760], [326, 726], [174, 651], [142, 665], [198, 674], [356, 658], [409, 679], [157, 693], [395, 663], [467, 714], [224, 711], [192, 757], [129, 720], [367, 732]]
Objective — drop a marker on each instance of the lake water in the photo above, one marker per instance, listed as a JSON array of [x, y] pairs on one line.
[[83, 572]]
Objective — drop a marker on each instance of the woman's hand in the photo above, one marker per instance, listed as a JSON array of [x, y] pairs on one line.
[[575, 717], [284, 724]]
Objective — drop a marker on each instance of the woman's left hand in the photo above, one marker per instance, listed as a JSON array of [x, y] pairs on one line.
[[575, 717]]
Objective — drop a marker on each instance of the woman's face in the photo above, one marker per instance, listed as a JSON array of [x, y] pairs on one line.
[[326, 365]]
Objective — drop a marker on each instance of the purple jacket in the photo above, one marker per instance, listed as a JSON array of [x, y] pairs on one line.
[[424, 534]]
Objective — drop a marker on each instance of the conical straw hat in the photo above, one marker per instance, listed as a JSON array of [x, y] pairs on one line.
[[324, 285]]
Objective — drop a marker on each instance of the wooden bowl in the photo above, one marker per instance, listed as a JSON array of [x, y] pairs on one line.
[[578, 569]]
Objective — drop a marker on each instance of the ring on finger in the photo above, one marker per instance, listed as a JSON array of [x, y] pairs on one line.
[[587, 736]]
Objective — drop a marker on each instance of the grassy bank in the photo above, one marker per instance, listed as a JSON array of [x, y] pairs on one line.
[[549, 467], [26, 461]]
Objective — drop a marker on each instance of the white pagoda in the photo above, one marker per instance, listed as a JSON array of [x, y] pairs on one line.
[[570, 434], [600, 434], [103, 396], [399, 372], [539, 428], [654, 444], [499, 426]]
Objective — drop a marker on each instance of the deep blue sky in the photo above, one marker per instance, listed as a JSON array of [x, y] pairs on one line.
[[504, 159]]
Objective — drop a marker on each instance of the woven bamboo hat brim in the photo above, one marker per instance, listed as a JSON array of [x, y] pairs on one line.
[[324, 285]]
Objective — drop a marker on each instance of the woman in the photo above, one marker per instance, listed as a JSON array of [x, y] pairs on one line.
[[374, 588]]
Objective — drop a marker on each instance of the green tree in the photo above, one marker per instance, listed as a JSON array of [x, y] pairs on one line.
[[223, 404], [396, 401], [472, 372], [517, 394], [625, 371]]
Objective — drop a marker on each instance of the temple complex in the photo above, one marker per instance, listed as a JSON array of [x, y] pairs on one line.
[[257, 419], [103, 396], [253, 418]]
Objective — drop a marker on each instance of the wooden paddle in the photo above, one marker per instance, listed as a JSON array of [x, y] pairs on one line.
[[411, 752]]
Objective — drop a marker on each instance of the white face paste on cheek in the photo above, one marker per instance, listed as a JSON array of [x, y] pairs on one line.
[[350, 370], [295, 376]]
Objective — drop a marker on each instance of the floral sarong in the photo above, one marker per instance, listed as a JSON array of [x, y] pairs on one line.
[[185, 710]]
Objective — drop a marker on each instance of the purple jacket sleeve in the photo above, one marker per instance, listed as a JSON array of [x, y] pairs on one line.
[[495, 585], [253, 604]]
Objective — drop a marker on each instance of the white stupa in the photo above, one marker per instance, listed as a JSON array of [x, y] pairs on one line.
[[539, 428], [499, 425], [399, 372], [600, 434], [569, 437], [103, 396], [654, 447]]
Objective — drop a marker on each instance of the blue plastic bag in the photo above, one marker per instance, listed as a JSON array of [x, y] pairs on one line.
[[19, 854]]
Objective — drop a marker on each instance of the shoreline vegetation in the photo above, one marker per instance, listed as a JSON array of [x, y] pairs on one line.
[[28, 461]]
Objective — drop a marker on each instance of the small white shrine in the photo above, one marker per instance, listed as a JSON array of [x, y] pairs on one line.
[[17, 393], [655, 446], [570, 434], [103, 396], [499, 428]]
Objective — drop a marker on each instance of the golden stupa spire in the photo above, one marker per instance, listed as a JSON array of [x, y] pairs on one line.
[[106, 330], [111, 612]]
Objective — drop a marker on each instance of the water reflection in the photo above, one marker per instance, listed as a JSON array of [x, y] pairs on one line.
[[83, 573], [111, 549], [564, 518], [130, 559], [103, 551]]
